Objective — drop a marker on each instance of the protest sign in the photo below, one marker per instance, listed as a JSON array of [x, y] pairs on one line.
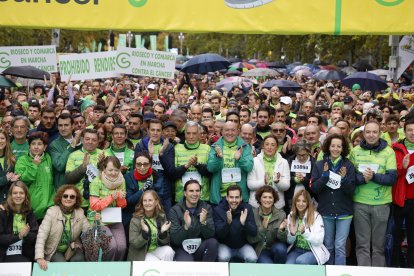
[[88, 66], [42, 57], [144, 62]]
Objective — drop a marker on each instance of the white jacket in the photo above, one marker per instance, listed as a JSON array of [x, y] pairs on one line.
[[255, 179], [314, 235]]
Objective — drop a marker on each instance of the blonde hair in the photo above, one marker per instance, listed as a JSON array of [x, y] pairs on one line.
[[310, 208], [139, 209]]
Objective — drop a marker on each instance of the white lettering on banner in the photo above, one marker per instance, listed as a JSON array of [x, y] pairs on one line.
[[15, 248], [230, 175], [156, 164], [410, 175], [91, 172], [88, 66], [334, 181], [299, 167], [363, 167], [42, 57], [336, 270], [145, 62]]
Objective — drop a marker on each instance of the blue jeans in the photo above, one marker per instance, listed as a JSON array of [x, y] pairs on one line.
[[336, 233], [301, 256], [276, 255], [246, 253]]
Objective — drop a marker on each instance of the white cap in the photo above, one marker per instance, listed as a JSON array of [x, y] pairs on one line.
[[76, 86], [286, 100], [151, 86]]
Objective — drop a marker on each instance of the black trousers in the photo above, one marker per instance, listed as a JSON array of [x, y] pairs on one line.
[[207, 252], [401, 213]]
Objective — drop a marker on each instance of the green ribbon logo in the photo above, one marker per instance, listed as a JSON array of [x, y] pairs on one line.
[[4, 60], [138, 3], [389, 3], [151, 272], [122, 59]]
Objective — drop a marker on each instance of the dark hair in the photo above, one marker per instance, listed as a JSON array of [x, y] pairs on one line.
[[264, 108], [91, 130], [191, 181], [103, 119], [232, 112], [160, 105], [319, 118], [109, 159], [145, 154], [99, 107], [216, 97], [244, 109], [208, 110], [409, 121], [119, 126], [62, 190], [392, 118], [136, 115], [266, 189], [38, 135], [65, 116], [234, 188], [343, 121], [47, 109], [154, 121], [328, 141]]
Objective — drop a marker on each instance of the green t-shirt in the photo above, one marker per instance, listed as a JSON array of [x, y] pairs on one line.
[[65, 238], [19, 149], [2, 162], [154, 233], [301, 242], [18, 223], [228, 162]]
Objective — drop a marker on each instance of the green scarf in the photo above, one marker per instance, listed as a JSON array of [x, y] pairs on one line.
[[408, 145], [230, 145]]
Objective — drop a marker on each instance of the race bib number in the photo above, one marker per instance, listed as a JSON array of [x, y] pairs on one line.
[[191, 176], [334, 181], [363, 167], [15, 248], [191, 245], [300, 168], [410, 175], [156, 164], [120, 156], [91, 172], [230, 175]]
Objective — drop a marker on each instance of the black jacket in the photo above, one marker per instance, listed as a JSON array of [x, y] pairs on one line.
[[7, 237], [234, 235]]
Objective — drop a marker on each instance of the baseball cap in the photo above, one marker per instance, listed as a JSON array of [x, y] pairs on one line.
[[285, 100], [148, 116], [169, 124], [348, 99], [356, 86], [151, 86], [330, 84]]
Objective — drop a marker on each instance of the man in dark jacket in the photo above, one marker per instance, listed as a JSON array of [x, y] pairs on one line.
[[192, 227], [234, 223], [48, 124]]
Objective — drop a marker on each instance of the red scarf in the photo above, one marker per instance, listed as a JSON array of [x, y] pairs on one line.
[[141, 177]]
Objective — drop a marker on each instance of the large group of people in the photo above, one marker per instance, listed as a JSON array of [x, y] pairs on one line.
[[183, 170]]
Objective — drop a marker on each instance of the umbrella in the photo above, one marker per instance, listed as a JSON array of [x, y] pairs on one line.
[[233, 72], [233, 60], [329, 75], [5, 82], [283, 85], [329, 67], [205, 63], [382, 72], [242, 65], [28, 72], [254, 61], [289, 67], [349, 70], [362, 66], [261, 65], [298, 68], [261, 72], [303, 73], [96, 242], [230, 82], [367, 81], [276, 64], [181, 58]]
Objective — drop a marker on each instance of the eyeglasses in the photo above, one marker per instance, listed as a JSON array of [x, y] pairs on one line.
[[65, 196], [278, 130], [143, 164]]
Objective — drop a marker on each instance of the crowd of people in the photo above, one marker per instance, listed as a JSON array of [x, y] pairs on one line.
[[202, 173]]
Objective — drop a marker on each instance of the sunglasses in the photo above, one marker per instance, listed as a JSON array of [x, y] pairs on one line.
[[65, 196], [278, 130], [143, 164]]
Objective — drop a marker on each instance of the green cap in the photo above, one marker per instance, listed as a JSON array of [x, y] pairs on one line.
[[355, 87]]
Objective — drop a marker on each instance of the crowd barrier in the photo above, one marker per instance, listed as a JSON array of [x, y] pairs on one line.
[[192, 269]]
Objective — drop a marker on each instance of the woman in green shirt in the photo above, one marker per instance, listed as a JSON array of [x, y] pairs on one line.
[[149, 236], [18, 226], [7, 161]]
